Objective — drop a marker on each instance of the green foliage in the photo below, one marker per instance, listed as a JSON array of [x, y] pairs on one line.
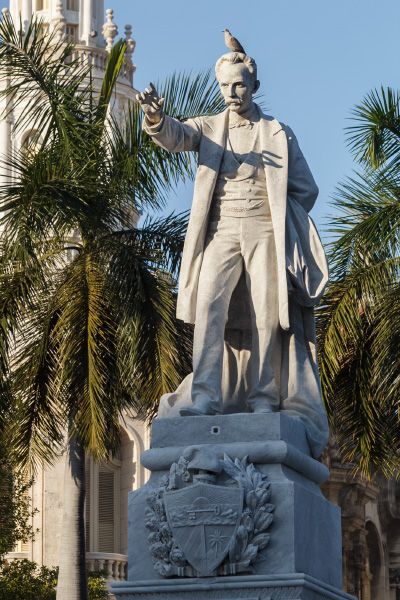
[[187, 96], [49, 92], [87, 299], [358, 320], [374, 139], [25, 580], [15, 504], [97, 588]]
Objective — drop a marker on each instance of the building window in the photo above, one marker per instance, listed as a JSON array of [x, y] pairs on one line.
[[71, 32], [107, 486], [22, 547], [107, 493], [102, 513], [73, 5]]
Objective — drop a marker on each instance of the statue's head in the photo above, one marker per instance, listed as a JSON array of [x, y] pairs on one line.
[[237, 77]]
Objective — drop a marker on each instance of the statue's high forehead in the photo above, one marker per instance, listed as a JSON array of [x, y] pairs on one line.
[[230, 72]]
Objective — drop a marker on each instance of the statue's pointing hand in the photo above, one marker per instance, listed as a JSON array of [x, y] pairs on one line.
[[151, 104]]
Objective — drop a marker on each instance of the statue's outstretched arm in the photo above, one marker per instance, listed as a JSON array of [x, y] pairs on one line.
[[167, 132], [175, 136]]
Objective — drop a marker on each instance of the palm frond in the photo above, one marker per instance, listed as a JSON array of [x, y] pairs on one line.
[[38, 418], [357, 319], [363, 417], [375, 139], [166, 236], [115, 61], [387, 344], [85, 338], [154, 348], [352, 348], [159, 241], [42, 197], [366, 226], [28, 276], [187, 96], [41, 75]]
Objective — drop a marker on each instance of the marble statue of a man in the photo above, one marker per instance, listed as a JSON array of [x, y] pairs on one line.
[[252, 265]]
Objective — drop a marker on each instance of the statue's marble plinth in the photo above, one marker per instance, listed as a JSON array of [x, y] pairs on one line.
[[210, 527]]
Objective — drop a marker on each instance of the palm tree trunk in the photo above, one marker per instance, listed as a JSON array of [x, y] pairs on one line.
[[72, 580]]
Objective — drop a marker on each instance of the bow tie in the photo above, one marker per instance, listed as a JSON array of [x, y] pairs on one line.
[[246, 124]]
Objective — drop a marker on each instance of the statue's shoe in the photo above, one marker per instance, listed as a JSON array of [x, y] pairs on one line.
[[261, 407], [198, 409]]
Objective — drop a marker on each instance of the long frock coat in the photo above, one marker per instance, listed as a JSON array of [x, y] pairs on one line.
[[287, 175], [301, 265]]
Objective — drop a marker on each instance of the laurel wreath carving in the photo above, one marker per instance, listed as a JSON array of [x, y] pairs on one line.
[[251, 536], [257, 516]]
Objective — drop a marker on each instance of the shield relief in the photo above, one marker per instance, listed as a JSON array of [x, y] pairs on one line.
[[204, 518]]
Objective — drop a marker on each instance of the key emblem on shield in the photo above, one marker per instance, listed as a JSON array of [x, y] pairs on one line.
[[204, 519]]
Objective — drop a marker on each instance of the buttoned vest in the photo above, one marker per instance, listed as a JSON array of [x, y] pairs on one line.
[[241, 189]]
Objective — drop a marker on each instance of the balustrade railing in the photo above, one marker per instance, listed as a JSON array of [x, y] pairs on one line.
[[11, 556], [115, 565], [97, 58]]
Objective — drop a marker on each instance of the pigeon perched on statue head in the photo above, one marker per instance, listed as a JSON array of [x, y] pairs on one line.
[[233, 43]]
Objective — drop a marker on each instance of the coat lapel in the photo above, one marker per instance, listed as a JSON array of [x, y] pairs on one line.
[[213, 144], [274, 154], [275, 158], [211, 150], [210, 156]]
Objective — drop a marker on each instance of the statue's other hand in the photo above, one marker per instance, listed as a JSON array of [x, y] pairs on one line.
[[151, 104]]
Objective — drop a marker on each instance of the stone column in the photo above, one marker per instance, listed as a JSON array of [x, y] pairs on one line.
[[58, 22], [81, 27], [26, 12], [5, 128], [6, 118], [5, 145], [86, 20], [14, 10]]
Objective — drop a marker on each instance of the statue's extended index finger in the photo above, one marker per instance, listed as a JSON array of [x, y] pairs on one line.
[[152, 87]]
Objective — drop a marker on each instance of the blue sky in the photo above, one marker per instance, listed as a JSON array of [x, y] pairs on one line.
[[316, 60]]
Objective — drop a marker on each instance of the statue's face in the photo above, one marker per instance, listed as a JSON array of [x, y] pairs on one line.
[[237, 86]]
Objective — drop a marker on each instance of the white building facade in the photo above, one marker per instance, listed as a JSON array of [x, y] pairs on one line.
[[92, 30]]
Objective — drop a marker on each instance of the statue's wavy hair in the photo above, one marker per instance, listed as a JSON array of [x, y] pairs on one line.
[[236, 58]]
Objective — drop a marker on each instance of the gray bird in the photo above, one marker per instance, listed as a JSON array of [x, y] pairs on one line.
[[232, 43]]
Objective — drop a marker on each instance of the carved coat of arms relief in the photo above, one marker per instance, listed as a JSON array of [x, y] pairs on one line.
[[209, 517]]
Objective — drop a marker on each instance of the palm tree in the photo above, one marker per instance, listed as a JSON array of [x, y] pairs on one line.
[[87, 299], [359, 325]]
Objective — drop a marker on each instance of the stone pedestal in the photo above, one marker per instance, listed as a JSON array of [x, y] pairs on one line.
[[263, 519]]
